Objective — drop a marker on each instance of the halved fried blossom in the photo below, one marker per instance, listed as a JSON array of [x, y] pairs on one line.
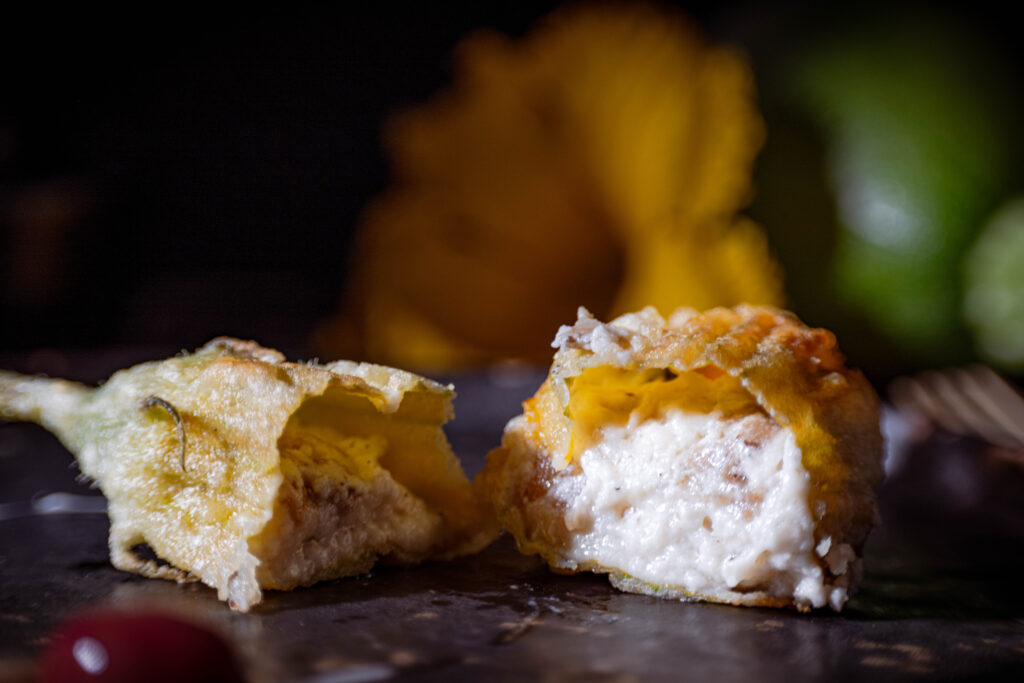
[[247, 472]]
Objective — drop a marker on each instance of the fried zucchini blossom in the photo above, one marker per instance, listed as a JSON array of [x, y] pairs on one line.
[[727, 456], [247, 472]]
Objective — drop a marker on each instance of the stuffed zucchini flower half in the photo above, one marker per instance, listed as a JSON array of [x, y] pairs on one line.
[[247, 472], [727, 456]]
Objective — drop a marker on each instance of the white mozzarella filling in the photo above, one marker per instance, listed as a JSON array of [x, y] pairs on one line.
[[694, 502]]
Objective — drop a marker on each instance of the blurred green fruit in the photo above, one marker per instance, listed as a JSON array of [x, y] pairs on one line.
[[994, 288], [917, 123]]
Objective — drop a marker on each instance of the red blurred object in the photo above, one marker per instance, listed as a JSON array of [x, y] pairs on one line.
[[108, 646]]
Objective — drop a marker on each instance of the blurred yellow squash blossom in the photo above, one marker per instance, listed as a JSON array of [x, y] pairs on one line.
[[600, 160]]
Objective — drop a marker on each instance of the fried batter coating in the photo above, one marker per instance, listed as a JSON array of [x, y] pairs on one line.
[[727, 456], [247, 472]]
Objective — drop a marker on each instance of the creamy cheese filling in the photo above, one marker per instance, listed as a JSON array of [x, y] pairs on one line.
[[699, 504]]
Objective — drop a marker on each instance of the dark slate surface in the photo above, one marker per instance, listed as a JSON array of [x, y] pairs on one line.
[[941, 599]]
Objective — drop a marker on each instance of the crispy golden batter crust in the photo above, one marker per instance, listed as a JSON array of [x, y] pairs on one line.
[[733, 361], [218, 459]]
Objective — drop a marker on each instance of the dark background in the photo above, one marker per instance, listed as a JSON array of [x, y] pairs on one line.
[[167, 177], [210, 166]]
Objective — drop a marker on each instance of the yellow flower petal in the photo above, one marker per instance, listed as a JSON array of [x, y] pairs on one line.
[[598, 161]]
